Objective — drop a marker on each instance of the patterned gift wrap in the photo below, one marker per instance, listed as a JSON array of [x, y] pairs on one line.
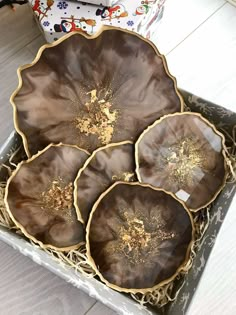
[[57, 17], [105, 3]]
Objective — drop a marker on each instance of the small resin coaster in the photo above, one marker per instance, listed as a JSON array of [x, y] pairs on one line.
[[114, 162], [92, 90], [138, 237], [39, 197], [184, 154]]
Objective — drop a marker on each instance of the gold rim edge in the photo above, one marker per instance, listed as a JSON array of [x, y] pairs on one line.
[[59, 41], [21, 227], [92, 262], [89, 159], [223, 151]]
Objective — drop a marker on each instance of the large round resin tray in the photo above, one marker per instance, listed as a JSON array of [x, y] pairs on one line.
[[184, 154], [138, 237], [91, 91], [39, 197], [106, 165]]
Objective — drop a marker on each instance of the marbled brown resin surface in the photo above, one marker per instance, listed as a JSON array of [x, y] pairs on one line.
[[109, 164], [91, 92], [138, 237], [40, 197], [183, 154]]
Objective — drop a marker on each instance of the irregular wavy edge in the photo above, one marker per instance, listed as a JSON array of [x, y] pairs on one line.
[[223, 151], [166, 281], [90, 158], [59, 41], [19, 225]]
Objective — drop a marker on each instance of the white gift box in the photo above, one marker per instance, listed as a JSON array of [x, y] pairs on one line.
[[105, 3], [57, 17]]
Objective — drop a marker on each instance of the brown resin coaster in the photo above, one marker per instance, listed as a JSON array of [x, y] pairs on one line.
[[184, 154], [91, 91], [138, 237], [39, 197], [106, 165]]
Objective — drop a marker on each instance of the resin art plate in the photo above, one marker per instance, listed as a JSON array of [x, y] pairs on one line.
[[184, 154], [138, 237], [39, 197], [92, 90], [114, 162]]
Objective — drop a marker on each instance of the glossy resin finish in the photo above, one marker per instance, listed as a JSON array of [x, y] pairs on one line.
[[91, 91], [104, 167], [39, 197], [138, 237], [183, 154]]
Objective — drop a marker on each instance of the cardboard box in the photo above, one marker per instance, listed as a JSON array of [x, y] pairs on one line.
[[122, 303], [57, 17]]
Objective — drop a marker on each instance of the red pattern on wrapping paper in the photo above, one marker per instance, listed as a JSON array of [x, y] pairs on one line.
[[160, 7], [113, 12], [37, 8], [71, 24]]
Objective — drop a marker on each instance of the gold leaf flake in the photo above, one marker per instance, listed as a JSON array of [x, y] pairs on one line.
[[126, 177], [183, 159], [99, 119], [139, 237], [58, 199], [93, 95]]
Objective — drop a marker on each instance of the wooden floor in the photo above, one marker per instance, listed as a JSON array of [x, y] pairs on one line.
[[198, 38]]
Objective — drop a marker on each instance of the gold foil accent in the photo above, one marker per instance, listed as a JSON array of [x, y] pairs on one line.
[[126, 177], [139, 237], [103, 28], [183, 159], [58, 199], [99, 119], [72, 212], [93, 94]]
